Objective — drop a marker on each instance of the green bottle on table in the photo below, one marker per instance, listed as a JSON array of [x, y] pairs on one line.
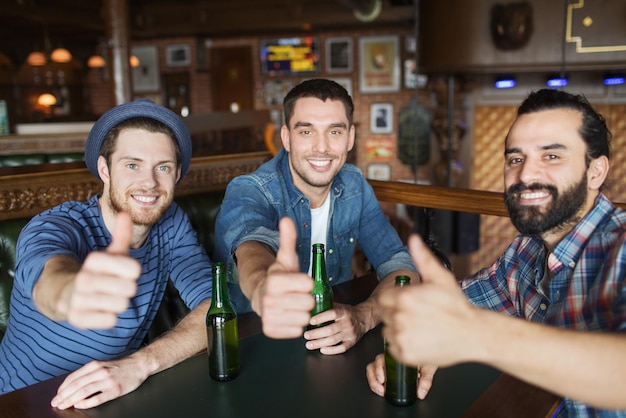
[[222, 331], [401, 380], [322, 292]]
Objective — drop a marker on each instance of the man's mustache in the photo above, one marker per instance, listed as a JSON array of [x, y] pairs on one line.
[[521, 187]]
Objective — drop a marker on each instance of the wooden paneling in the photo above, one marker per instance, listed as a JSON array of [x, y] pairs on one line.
[[25, 195]]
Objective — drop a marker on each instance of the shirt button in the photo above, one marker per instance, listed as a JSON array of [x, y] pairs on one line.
[[330, 251], [351, 240], [543, 307], [330, 279], [306, 225], [572, 264]]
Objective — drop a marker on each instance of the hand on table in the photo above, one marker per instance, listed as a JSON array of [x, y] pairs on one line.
[[105, 380], [339, 336], [106, 281], [376, 378], [286, 299]]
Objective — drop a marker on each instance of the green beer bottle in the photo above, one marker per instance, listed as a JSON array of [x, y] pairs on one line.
[[322, 291], [222, 332], [401, 381]]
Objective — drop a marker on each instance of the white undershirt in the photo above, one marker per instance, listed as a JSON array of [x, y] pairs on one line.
[[319, 225]]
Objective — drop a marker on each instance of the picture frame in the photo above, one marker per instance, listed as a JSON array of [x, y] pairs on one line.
[[378, 171], [178, 55], [381, 118], [339, 55], [379, 149], [146, 76], [379, 64], [345, 82]]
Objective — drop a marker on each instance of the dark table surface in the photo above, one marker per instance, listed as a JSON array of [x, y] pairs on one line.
[[281, 378]]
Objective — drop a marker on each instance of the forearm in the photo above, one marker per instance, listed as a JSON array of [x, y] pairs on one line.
[[588, 367], [184, 340], [253, 261], [51, 293]]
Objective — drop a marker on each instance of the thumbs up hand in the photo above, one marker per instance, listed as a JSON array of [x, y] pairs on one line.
[[286, 300], [432, 322], [106, 281]]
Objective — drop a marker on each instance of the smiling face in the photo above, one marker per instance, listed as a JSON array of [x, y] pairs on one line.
[[318, 138], [548, 185], [141, 176]]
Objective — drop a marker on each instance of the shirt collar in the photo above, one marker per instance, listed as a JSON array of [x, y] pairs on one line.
[[568, 250]]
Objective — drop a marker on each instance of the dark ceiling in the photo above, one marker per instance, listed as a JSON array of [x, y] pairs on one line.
[[79, 25]]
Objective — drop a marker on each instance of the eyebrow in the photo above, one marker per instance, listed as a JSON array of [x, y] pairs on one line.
[[332, 125], [543, 148], [129, 158]]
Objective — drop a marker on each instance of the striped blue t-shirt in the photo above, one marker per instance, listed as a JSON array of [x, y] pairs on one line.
[[36, 348]]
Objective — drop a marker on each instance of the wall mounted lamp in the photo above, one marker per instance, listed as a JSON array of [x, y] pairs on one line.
[[47, 100], [96, 61]]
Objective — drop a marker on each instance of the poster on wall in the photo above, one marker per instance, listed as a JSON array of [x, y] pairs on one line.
[[379, 64], [379, 149], [378, 171], [178, 55], [339, 55], [381, 118], [146, 74]]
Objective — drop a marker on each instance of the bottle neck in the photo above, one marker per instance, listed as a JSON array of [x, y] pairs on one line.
[[318, 271], [402, 281], [220, 300]]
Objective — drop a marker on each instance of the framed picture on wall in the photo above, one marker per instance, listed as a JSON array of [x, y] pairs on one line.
[[178, 55], [379, 64], [381, 118], [146, 75], [339, 55], [378, 171]]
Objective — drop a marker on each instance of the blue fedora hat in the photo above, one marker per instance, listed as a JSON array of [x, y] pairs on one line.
[[136, 109]]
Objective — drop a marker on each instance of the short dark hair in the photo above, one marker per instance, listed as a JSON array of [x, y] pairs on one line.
[[593, 130], [319, 88], [147, 124]]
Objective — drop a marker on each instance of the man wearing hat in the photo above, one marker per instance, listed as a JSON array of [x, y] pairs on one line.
[[90, 276]]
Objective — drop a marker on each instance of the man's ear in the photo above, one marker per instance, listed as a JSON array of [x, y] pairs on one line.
[[284, 137], [103, 169], [597, 172], [352, 136]]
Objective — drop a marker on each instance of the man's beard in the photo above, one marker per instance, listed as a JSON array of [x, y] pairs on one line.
[[562, 211], [147, 217]]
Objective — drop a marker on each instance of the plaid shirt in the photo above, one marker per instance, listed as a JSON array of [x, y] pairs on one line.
[[587, 291]]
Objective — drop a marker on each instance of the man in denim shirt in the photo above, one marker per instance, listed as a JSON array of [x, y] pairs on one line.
[[307, 194], [551, 310]]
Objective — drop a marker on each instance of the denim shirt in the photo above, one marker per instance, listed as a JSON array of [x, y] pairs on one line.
[[254, 204]]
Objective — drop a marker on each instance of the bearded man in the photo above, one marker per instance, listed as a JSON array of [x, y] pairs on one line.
[[90, 276], [560, 283]]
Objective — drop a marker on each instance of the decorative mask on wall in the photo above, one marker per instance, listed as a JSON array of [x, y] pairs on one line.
[[511, 25]]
